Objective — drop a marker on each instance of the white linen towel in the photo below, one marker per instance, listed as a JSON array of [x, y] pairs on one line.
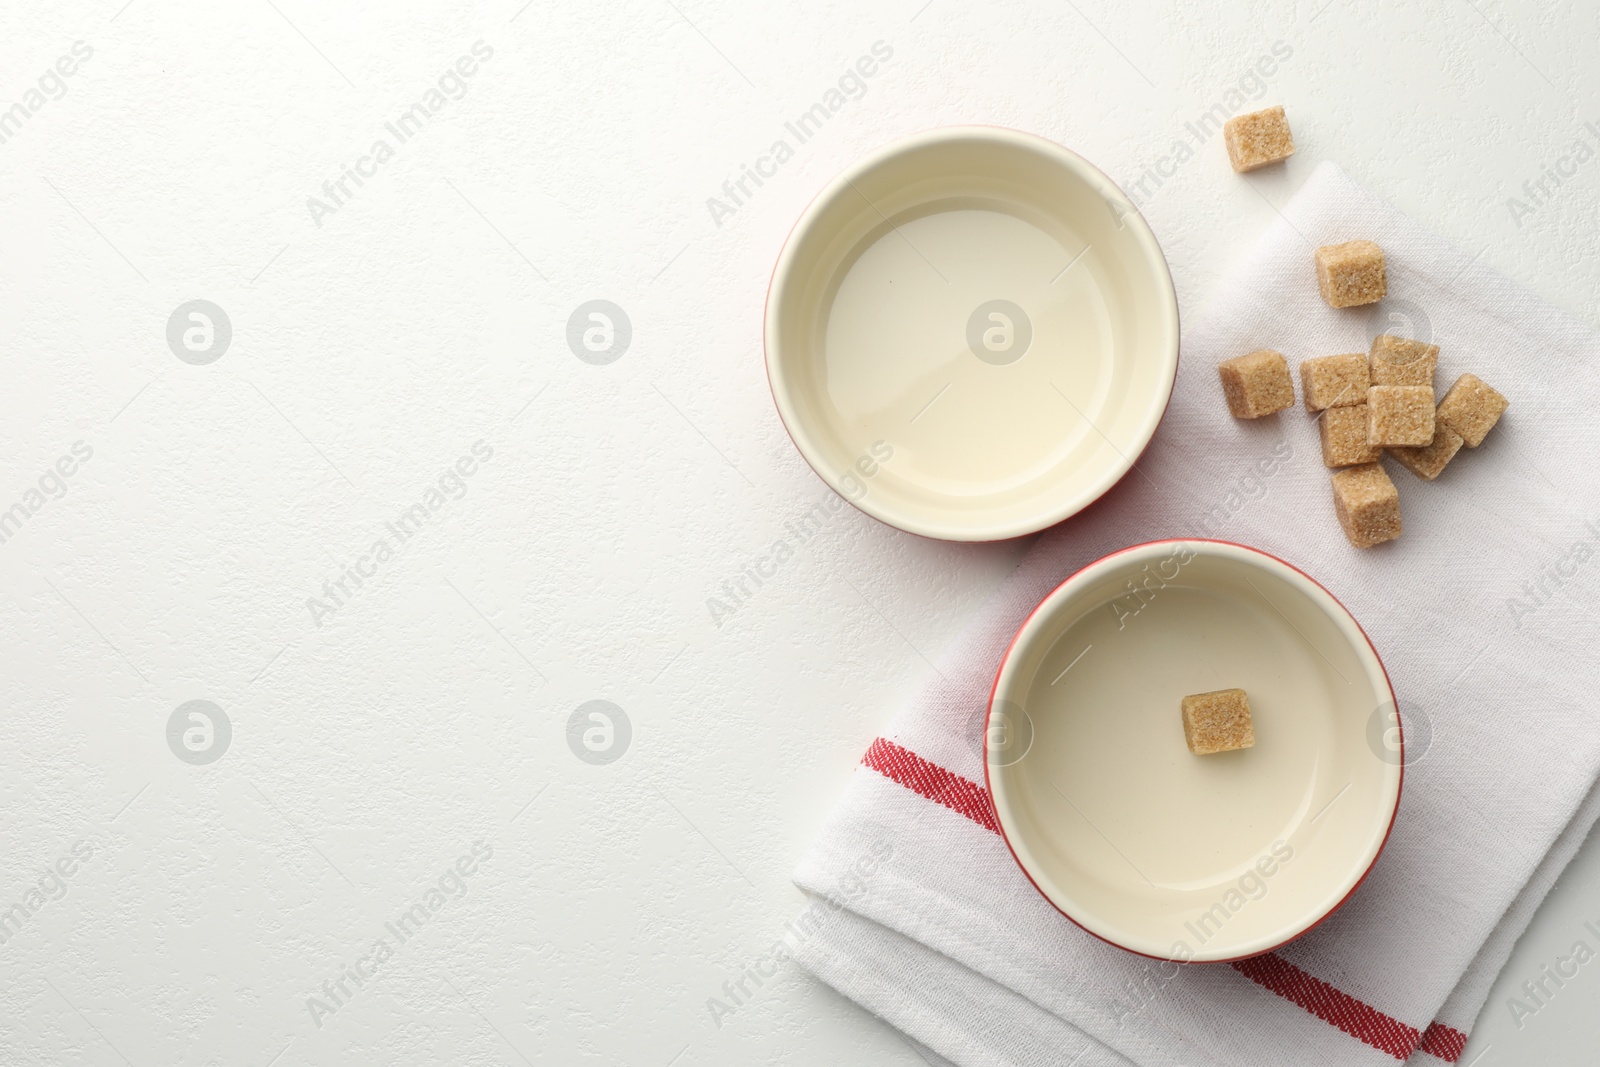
[[1481, 612]]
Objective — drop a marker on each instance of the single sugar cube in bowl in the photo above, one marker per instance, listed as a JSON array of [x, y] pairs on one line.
[[1217, 722]]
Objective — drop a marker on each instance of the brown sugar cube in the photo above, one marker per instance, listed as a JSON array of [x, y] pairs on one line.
[[1344, 438], [1368, 505], [1400, 415], [1471, 408], [1399, 361], [1334, 381], [1217, 722], [1259, 138], [1351, 274], [1256, 384], [1427, 462]]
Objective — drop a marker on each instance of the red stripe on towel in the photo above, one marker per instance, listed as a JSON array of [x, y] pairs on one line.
[[1358, 1019], [961, 795], [1445, 1042]]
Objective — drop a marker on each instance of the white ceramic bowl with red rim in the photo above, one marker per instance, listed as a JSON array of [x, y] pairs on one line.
[[971, 334], [1130, 835]]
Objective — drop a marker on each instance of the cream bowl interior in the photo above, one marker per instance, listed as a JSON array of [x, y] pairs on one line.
[[1142, 843], [971, 334]]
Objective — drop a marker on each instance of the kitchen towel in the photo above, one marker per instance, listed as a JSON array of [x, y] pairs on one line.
[[1482, 611]]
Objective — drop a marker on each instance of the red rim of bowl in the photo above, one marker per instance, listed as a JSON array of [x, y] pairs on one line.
[[766, 353], [1399, 727]]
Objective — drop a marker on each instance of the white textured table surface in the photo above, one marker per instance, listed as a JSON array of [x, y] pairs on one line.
[[399, 533]]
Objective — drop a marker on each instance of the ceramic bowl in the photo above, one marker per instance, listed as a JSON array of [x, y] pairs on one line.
[[971, 334], [1129, 834]]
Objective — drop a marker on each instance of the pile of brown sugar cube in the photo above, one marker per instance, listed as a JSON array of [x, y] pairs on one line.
[[1380, 401]]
